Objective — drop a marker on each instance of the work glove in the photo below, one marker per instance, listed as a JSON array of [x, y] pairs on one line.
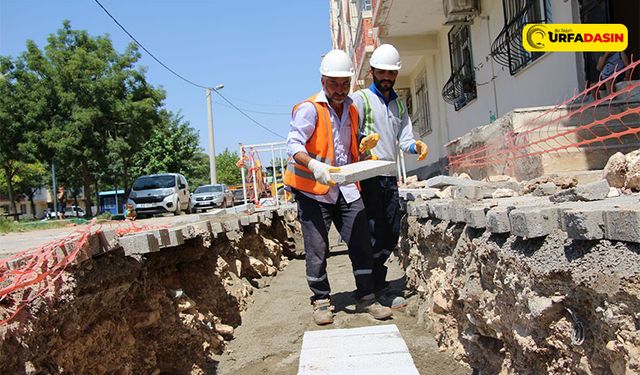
[[369, 142], [422, 149], [321, 172]]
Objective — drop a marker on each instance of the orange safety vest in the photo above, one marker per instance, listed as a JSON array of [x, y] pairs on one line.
[[320, 147]]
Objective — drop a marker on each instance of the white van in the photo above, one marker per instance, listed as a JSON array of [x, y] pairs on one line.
[[160, 193]]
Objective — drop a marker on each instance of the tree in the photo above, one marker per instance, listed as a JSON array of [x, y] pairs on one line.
[[19, 112], [170, 149], [198, 174], [97, 104], [27, 180], [226, 168]]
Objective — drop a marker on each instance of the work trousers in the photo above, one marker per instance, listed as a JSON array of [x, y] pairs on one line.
[[382, 204], [351, 222]]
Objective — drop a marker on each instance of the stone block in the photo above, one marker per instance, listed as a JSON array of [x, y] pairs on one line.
[[589, 192], [440, 210], [141, 243], [176, 236], [457, 209], [108, 239], [245, 221], [231, 224], [412, 208], [468, 192], [444, 181], [363, 170], [476, 217], [254, 218], [216, 227], [622, 224], [413, 194], [189, 232], [548, 188], [162, 235], [498, 220], [532, 222], [201, 227], [584, 224]]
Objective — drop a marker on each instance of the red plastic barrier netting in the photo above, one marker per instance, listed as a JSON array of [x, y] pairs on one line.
[[607, 123], [31, 274]]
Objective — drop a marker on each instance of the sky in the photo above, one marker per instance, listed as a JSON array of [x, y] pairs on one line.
[[266, 53]]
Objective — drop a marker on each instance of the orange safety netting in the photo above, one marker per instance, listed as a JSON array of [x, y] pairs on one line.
[[30, 274], [583, 121]]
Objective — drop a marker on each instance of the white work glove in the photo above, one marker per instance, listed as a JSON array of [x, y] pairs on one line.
[[321, 172]]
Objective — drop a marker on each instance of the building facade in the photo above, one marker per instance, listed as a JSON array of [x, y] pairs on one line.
[[463, 61]]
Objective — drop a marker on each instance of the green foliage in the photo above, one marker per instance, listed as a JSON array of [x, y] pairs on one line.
[[170, 149], [7, 226], [226, 169], [199, 172]]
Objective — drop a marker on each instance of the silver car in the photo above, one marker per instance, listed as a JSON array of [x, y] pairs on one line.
[[210, 196]]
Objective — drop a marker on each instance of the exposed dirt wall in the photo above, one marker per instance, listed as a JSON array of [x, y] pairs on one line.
[[168, 312], [511, 306]]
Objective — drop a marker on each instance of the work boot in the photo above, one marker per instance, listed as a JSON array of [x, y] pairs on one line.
[[391, 299], [322, 312], [369, 305]]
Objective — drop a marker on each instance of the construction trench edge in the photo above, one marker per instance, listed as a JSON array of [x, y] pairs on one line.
[[503, 303]]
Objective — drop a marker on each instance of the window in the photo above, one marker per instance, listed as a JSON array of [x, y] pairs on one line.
[[460, 89], [507, 49], [364, 5], [421, 115], [23, 209]]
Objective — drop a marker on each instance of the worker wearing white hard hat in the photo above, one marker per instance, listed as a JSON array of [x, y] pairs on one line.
[[323, 136], [382, 113]]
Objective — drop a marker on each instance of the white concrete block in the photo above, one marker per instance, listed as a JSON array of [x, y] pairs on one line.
[[362, 170], [355, 351]]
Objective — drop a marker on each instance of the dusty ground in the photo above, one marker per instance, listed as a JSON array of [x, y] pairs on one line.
[[270, 337]]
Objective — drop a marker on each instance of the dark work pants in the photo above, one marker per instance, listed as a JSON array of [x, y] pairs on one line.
[[381, 201], [351, 222]]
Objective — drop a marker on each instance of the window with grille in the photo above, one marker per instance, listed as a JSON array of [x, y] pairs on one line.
[[421, 117], [507, 49], [460, 89]]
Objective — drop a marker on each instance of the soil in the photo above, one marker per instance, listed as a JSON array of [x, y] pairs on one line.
[[270, 337]]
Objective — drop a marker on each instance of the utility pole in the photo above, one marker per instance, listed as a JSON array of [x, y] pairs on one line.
[[54, 193], [212, 147]]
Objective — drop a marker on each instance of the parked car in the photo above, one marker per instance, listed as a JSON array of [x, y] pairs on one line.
[[72, 211], [160, 193], [238, 196], [210, 196]]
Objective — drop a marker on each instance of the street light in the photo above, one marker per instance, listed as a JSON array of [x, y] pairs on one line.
[[212, 148]]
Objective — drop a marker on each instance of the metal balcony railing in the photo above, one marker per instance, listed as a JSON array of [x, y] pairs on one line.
[[460, 89]]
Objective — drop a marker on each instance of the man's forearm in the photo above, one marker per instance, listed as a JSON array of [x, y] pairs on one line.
[[302, 158]]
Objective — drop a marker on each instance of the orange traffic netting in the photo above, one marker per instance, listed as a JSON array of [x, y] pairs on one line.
[[583, 121], [30, 274]]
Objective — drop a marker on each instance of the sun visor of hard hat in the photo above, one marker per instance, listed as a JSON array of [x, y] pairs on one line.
[[337, 73], [386, 66]]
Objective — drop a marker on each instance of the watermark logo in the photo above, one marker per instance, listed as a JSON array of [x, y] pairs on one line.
[[575, 37]]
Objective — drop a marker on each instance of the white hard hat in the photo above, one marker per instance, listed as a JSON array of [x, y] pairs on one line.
[[336, 63], [386, 57]]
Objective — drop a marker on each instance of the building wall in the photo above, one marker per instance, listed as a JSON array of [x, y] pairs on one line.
[[547, 81]]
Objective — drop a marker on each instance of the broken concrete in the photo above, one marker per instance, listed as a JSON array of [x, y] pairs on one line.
[[589, 192]]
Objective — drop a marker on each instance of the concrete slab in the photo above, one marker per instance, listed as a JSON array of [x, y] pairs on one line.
[[532, 222], [162, 235], [584, 224], [413, 194], [622, 224], [176, 236], [231, 224], [440, 210], [362, 170], [245, 221], [141, 243], [355, 351], [498, 220], [476, 217], [444, 181]]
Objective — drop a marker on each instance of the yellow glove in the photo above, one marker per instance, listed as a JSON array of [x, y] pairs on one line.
[[369, 142], [422, 149]]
